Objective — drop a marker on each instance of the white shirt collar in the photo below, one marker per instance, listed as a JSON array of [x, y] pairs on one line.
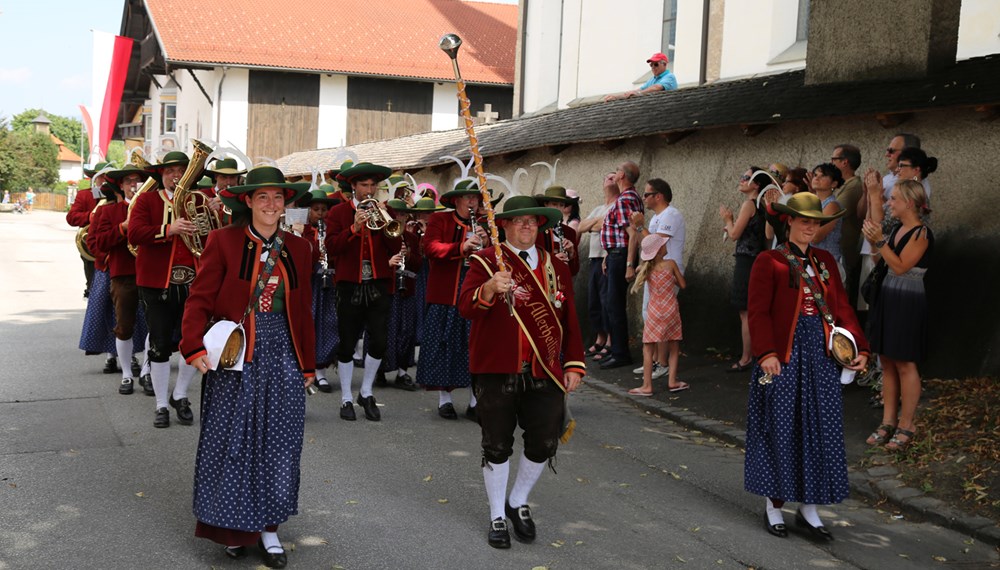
[[532, 254]]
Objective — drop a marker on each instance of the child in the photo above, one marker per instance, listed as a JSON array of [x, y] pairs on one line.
[[663, 320]]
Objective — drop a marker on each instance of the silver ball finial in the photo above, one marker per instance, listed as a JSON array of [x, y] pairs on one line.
[[449, 44]]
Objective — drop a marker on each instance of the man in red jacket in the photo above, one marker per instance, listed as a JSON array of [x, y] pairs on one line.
[[79, 215], [363, 276], [109, 230], [525, 354], [164, 268]]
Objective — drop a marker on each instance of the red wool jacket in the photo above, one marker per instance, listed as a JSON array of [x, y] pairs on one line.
[[494, 343], [79, 213], [442, 244], [774, 303], [346, 247], [158, 252], [226, 282], [108, 235]]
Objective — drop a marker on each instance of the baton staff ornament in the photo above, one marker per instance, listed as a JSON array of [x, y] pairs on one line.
[[449, 44]]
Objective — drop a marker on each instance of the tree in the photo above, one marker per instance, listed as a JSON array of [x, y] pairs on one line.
[[68, 129], [27, 159]]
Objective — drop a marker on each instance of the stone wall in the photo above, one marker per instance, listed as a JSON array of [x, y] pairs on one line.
[[703, 170]]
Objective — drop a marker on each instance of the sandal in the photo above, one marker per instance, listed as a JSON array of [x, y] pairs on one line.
[[738, 367], [639, 392], [896, 444], [604, 353], [881, 435], [594, 349]]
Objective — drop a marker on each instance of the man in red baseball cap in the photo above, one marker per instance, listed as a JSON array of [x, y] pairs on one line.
[[662, 79]]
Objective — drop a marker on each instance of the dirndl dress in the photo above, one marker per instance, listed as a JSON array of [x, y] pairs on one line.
[[795, 427], [401, 339], [444, 347], [663, 314], [247, 468], [421, 294], [97, 336], [324, 310]]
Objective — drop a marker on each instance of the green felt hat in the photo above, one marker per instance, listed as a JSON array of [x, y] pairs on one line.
[[90, 172], [224, 166], [262, 177], [425, 206], [364, 170], [205, 182], [806, 205], [554, 194], [321, 196], [173, 157], [124, 171], [463, 188], [527, 206], [398, 205]]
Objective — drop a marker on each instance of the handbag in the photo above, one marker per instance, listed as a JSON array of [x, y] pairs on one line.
[[873, 283], [232, 348]]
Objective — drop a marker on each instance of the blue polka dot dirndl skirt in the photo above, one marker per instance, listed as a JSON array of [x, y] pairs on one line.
[[421, 295], [97, 336], [444, 349], [247, 468], [325, 320], [401, 339], [795, 426]]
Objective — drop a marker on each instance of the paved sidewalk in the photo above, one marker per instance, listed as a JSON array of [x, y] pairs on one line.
[[716, 404]]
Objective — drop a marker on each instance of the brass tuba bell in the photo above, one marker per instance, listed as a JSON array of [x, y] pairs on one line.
[[193, 205], [138, 161], [379, 219]]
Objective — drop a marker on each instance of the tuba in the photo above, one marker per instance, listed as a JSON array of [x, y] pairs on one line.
[[192, 205], [149, 185], [379, 219], [81, 235]]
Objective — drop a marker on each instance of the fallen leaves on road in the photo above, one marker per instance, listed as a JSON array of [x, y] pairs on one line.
[[558, 543], [442, 501], [140, 494], [427, 479]]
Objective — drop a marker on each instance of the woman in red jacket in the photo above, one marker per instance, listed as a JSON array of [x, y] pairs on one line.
[[247, 470], [795, 432]]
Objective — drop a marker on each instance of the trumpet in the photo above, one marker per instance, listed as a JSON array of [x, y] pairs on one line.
[[378, 219]]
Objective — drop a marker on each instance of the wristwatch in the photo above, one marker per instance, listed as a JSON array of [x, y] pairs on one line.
[[881, 242], [639, 228]]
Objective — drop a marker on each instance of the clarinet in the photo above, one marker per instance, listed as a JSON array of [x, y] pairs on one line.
[[324, 264], [473, 223], [558, 232]]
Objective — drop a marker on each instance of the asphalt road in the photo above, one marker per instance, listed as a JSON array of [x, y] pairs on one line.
[[87, 482]]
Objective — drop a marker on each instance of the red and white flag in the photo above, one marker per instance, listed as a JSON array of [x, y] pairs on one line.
[[110, 68]]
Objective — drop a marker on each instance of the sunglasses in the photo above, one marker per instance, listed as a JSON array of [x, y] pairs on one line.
[[745, 178], [891, 151], [904, 165], [833, 158], [648, 194]]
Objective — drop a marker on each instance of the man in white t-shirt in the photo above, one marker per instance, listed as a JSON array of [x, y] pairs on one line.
[[669, 221]]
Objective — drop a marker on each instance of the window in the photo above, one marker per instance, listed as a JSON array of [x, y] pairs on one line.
[[147, 127], [168, 118], [670, 29], [802, 25]]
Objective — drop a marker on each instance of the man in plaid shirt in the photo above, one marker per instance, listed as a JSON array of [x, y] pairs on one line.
[[618, 237]]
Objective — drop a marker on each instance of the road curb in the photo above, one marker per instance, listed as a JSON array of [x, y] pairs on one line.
[[876, 483]]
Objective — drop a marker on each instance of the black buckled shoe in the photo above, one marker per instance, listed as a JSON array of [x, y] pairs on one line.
[[125, 388], [380, 380], [819, 532], [470, 414], [498, 536], [146, 381], [405, 382], [447, 411], [370, 408], [162, 418], [183, 408], [136, 369], [323, 385], [272, 559], [235, 552], [347, 412], [779, 530], [520, 519], [111, 365]]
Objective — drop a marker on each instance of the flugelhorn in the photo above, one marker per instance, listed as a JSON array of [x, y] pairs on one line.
[[139, 161], [378, 219], [193, 205]]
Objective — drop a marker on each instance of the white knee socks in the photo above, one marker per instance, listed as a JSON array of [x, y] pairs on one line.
[[472, 398], [124, 348], [346, 371], [773, 513], [368, 380], [528, 473], [185, 373], [811, 515], [495, 476], [271, 542], [160, 373], [444, 397]]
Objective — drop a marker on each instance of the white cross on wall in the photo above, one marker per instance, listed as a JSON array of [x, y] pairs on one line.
[[488, 115]]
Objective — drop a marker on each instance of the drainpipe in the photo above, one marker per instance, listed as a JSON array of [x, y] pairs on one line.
[[703, 71], [218, 99]]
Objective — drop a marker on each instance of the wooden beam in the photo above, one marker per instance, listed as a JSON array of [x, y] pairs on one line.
[[557, 148], [988, 112], [677, 136], [754, 129], [891, 120], [513, 156], [612, 144]]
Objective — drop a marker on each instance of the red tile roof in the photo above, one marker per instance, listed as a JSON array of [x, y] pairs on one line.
[[396, 38], [65, 154]]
